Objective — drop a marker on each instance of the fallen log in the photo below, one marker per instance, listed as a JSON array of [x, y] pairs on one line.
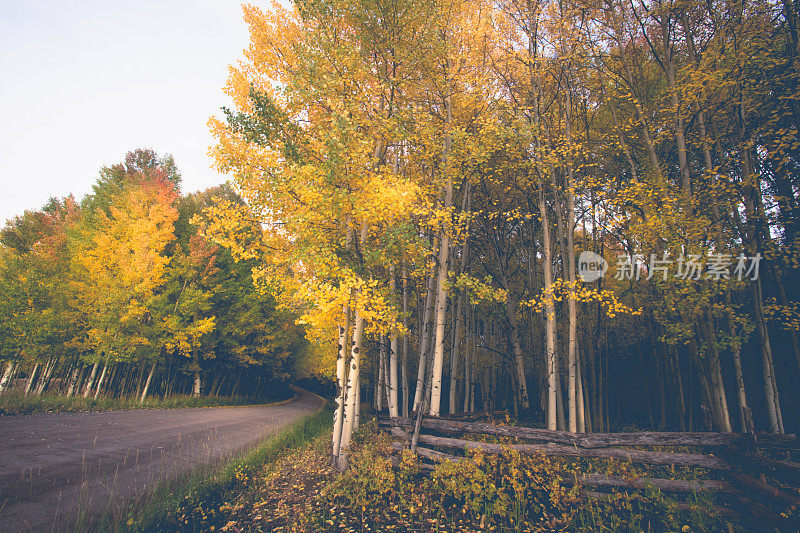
[[764, 492], [665, 485], [398, 432], [759, 512], [633, 456], [428, 453], [453, 427], [598, 440], [608, 482], [757, 464]]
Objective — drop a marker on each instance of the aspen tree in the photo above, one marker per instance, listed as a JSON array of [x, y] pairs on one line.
[[88, 387], [101, 380], [146, 387], [393, 360], [9, 371], [444, 246], [406, 336], [426, 335], [341, 377], [352, 393], [456, 350]]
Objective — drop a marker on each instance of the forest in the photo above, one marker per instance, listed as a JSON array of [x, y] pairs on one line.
[[427, 175], [579, 218], [120, 295]]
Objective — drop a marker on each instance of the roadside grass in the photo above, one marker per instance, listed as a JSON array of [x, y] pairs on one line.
[[178, 504], [16, 403]]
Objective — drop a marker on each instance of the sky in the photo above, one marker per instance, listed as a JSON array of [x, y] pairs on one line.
[[82, 82]]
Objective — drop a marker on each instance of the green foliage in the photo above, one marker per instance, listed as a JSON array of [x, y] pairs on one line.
[[128, 277], [370, 481], [34, 260], [509, 489]]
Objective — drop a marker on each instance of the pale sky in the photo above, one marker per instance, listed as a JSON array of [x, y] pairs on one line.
[[83, 82]]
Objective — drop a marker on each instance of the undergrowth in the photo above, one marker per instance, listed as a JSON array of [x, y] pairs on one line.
[[511, 492], [15, 403]]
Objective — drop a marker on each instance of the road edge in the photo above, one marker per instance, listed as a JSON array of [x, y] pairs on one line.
[[219, 478]]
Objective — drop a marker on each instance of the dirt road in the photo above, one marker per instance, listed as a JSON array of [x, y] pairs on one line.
[[56, 465]]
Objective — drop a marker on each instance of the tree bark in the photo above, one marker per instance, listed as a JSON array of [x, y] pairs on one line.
[[404, 375], [468, 368], [101, 380], [147, 384], [7, 375], [341, 377], [770, 391], [444, 251], [572, 304], [380, 375], [88, 387], [197, 382], [425, 340], [549, 318], [455, 352], [392, 360], [351, 394], [75, 381], [519, 363], [45, 376]]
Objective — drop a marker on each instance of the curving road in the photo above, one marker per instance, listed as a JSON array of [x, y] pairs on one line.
[[54, 466]]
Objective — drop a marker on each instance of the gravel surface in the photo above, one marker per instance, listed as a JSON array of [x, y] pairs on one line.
[[54, 466]]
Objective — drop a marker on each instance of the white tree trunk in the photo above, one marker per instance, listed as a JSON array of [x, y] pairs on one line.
[[473, 363], [581, 411], [88, 388], [146, 384], [46, 377], [404, 376], [440, 321], [551, 360], [444, 251], [43, 376], [197, 382], [719, 383], [73, 382], [341, 377], [425, 340], [7, 376], [468, 355], [559, 401], [394, 410], [380, 382], [572, 346], [31, 378], [357, 417], [100, 381], [351, 394]]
